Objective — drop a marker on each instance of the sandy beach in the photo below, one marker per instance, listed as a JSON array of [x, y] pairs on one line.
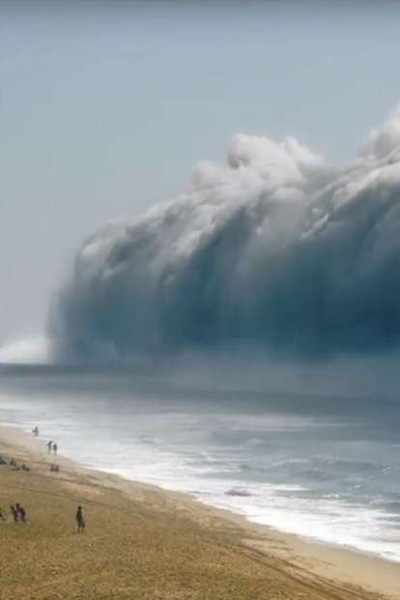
[[143, 542]]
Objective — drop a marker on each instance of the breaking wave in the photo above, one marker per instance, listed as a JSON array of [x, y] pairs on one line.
[[34, 350], [276, 249]]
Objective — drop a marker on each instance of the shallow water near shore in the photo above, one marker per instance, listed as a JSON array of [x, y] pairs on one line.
[[327, 468]]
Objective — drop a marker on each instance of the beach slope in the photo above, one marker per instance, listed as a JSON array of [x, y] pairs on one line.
[[145, 543]]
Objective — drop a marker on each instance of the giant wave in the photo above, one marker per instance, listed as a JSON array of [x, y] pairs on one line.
[[276, 249]]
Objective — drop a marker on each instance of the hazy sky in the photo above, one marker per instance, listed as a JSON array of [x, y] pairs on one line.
[[106, 107]]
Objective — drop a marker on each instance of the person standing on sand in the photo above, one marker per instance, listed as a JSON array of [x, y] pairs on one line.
[[55, 448], [21, 512], [14, 513], [35, 431], [49, 446], [80, 521]]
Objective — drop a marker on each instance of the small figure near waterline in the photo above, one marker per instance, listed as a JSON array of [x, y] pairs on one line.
[[49, 446], [35, 431], [14, 513], [21, 512], [80, 521], [55, 448]]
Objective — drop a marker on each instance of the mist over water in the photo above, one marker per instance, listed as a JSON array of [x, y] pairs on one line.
[[277, 250], [247, 334], [28, 350]]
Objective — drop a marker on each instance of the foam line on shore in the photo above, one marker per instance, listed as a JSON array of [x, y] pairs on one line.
[[311, 560]]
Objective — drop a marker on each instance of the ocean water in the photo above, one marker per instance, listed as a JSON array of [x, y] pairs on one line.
[[323, 467]]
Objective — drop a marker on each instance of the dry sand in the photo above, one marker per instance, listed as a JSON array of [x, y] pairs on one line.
[[145, 543]]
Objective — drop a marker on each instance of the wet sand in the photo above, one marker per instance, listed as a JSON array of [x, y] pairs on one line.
[[145, 543]]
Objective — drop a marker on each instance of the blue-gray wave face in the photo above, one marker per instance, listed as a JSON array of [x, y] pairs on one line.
[[276, 249]]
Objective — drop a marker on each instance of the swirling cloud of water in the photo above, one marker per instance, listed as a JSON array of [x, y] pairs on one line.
[[275, 249]]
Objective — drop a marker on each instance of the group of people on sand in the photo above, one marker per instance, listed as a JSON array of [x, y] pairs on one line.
[[18, 513], [52, 446], [19, 516], [15, 467]]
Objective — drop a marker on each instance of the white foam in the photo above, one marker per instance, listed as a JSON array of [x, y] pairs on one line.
[[107, 443], [30, 350]]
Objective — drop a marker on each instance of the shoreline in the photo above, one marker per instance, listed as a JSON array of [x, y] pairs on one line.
[[328, 571], [304, 561], [227, 511]]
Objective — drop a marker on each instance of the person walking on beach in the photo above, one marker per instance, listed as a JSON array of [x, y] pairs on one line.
[[21, 512], [49, 446], [80, 521], [35, 431], [55, 448], [14, 513]]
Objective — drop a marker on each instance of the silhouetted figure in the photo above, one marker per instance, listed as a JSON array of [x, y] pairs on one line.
[[49, 446], [80, 521], [35, 431], [55, 448], [14, 513], [21, 513]]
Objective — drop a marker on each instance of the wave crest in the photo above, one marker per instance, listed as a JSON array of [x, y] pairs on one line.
[[276, 249]]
